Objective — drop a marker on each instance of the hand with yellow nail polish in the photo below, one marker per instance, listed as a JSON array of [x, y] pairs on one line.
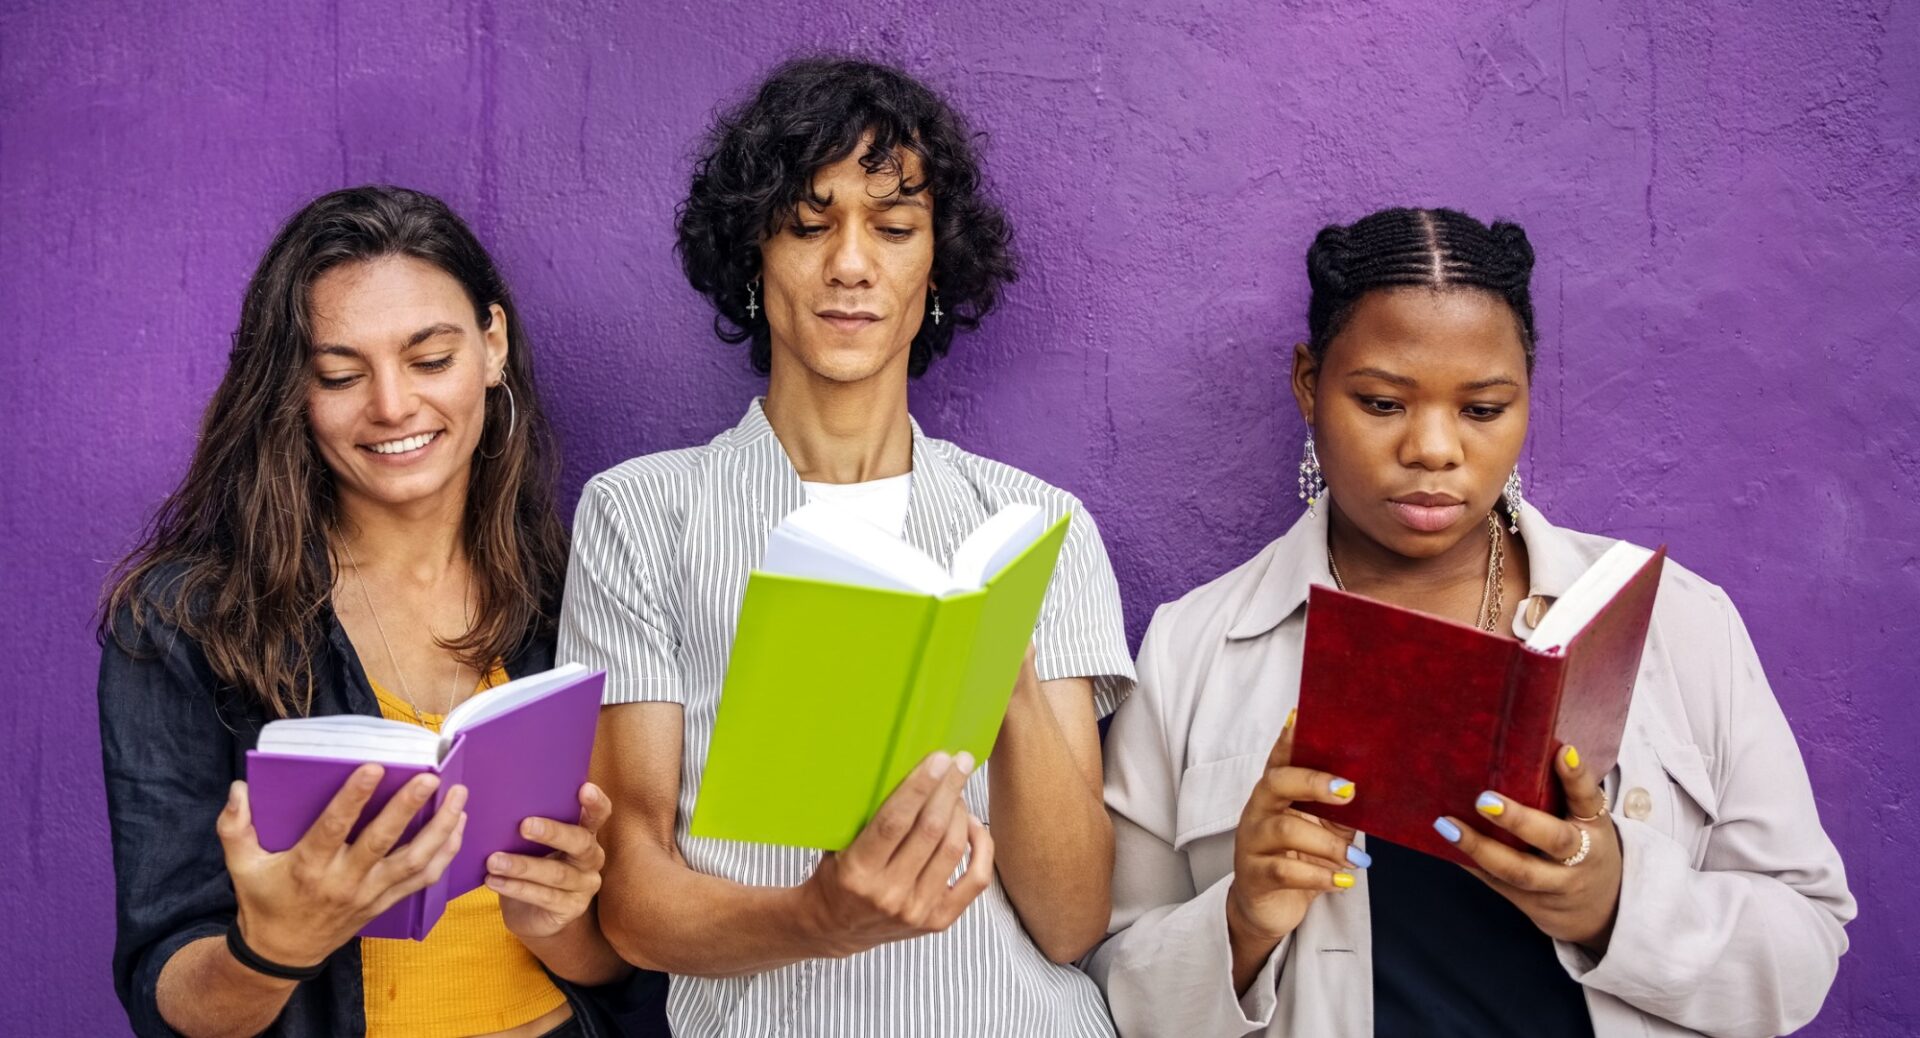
[[1576, 902], [1282, 858]]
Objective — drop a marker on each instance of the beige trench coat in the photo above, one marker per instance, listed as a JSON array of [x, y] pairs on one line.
[[1732, 898]]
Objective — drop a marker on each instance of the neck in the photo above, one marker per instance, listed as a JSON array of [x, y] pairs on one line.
[[1369, 567], [841, 432], [418, 542]]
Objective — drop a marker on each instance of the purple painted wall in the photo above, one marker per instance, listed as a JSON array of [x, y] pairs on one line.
[[1723, 197]]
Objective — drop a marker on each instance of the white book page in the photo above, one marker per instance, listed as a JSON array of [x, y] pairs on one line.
[[997, 542], [1589, 594], [351, 737], [502, 698], [827, 541]]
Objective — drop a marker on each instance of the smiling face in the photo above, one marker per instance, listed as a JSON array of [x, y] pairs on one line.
[[1419, 411], [400, 375], [846, 277]]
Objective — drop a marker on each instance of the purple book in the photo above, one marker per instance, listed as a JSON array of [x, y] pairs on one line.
[[520, 749]]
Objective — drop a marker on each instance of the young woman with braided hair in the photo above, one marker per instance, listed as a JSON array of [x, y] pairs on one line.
[[1689, 890]]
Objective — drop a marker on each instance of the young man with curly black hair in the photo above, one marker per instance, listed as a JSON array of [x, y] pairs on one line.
[[838, 224]]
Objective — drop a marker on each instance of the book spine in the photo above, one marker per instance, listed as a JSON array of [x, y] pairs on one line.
[[1523, 757], [895, 768]]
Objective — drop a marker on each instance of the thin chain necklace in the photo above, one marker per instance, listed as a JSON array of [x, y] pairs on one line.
[[1489, 595], [466, 602]]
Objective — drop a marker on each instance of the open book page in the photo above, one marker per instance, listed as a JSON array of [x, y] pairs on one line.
[[830, 542], [997, 542], [351, 737], [381, 741], [502, 698], [1589, 594]]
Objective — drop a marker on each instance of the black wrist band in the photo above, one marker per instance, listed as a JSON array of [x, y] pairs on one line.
[[251, 959]]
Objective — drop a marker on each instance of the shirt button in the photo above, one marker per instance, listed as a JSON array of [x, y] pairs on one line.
[[1639, 804]]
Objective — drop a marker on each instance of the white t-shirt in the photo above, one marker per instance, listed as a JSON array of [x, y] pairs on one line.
[[882, 502]]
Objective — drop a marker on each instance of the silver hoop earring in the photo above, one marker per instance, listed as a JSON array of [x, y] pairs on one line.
[[513, 420], [753, 307], [1312, 485], [937, 312], [1511, 492]]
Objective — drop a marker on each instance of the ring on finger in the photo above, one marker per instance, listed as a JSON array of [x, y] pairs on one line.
[[1606, 808], [1586, 844]]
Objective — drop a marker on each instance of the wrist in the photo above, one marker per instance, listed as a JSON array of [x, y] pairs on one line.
[[810, 921], [1242, 932], [266, 944]]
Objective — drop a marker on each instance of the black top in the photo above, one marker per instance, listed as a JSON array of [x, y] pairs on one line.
[[172, 741], [1453, 958]]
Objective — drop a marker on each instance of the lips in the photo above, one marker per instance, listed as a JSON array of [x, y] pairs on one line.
[[1427, 513], [848, 320], [403, 446]]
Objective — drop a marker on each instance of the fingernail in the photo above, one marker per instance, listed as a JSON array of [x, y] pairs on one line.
[[1490, 805], [1447, 830], [534, 829], [1341, 788], [941, 762], [1292, 716], [1343, 880], [428, 783], [233, 794], [964, 762], [495, 882], [1358, 858], [1572, 757], [497, 862]]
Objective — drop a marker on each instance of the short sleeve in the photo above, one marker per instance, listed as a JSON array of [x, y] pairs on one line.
[[1082, 632], [613, 617]]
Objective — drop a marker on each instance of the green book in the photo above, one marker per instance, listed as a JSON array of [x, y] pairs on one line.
[[856, 656]]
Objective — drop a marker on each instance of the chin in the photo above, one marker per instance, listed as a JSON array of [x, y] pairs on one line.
[[847, 364]]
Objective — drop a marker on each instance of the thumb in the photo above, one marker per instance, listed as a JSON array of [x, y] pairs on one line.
[[235, 826]]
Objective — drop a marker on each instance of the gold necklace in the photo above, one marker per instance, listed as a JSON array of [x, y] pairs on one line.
[[1490, 595], [453, 689]]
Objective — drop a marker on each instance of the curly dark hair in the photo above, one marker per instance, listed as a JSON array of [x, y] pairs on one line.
[[1396, 248], [758, 164]]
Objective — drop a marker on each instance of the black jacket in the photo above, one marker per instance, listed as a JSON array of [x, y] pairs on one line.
[[172, 741]]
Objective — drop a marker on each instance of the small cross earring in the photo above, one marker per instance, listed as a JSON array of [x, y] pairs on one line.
[[937, 312], [753, 308]]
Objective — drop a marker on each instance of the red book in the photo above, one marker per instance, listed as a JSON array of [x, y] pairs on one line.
[[1423, 714]]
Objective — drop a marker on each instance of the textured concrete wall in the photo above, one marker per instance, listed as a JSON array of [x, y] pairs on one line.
[[1722, 194]]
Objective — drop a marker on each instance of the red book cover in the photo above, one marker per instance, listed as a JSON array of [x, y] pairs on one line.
[[1422, 713]]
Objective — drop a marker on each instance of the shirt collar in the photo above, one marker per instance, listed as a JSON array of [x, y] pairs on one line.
[[937, 516], [1299, 561]]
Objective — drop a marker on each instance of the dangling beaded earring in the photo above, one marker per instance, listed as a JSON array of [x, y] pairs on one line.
[[1312, 486], [753, 307], [1512, 495]]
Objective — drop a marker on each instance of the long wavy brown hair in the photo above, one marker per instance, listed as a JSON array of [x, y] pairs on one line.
[[237, 557]]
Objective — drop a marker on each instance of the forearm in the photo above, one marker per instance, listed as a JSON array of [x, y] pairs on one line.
[[204, 992], [580, 954], [1052, 837], [668, 917]]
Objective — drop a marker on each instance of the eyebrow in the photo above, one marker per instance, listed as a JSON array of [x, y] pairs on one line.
[[892, 201], [1404, 380], [334, 349]]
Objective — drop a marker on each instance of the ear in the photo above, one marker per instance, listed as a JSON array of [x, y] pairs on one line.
[[1306, 378], [497, 344]]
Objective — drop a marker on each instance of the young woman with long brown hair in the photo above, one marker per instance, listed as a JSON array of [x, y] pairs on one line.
[[367, 526]]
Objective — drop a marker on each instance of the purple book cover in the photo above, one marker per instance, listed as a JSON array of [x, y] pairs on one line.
[[529, 761]]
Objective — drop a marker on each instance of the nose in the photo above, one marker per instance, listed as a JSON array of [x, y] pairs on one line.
[[850, 259], [392, 399], [1432, 442]]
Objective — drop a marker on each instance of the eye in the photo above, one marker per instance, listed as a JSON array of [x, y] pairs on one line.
[[1484, 412], [806, 230], [341, 382], [1379, 405], [436, 364], [897, 233]]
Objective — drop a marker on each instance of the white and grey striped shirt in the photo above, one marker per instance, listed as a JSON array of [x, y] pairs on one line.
[[662, 546]]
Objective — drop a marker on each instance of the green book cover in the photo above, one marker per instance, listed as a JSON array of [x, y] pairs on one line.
[[834, 692]]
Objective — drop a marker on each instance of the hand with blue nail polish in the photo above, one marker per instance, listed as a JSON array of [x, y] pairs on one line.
[[1283, 858], [1569, 902]]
